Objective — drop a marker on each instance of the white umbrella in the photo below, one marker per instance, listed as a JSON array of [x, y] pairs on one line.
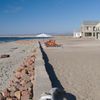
[[43, 35]]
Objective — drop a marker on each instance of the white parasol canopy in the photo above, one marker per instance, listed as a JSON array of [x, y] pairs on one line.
[[43, 35]]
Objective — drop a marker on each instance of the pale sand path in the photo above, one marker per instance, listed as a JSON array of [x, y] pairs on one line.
[[17, 53], [77, 66]]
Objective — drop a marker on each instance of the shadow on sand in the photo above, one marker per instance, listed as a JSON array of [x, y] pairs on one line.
[[54, 80]]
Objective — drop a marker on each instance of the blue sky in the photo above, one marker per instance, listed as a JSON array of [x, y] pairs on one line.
[[48, 16]]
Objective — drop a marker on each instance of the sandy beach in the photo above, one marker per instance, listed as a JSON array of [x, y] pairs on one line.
[[77, 66], [18, 51]]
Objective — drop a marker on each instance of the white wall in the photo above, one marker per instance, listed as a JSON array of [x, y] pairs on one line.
[[77, 34]]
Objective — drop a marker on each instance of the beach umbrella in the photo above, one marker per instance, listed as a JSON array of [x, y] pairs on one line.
[[42, 35]]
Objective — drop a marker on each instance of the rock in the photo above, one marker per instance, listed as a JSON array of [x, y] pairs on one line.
[[16, 80], [32, 77], [25, 95], [33, 56], [26, 78], [18, 75], [30, 62], [29, 85], [33, 59], [14, 98], [25, 71], [12, 93], [17, 86], [1, 96], [23, 82], [32, 81], [9, 98], [11, 82], [20, 69], [24, 65], [29, 68], [4, 56], [12, 88], [22, 88], [25, 92], [18, 94], [6, 93], [30, 89]]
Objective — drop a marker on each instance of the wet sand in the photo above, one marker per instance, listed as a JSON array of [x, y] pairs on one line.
[[77, 66]]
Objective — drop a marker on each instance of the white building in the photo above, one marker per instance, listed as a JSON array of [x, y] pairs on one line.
[[77, 34], [91, 29]]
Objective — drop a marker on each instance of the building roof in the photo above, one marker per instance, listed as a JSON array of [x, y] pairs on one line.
[[91, 22]]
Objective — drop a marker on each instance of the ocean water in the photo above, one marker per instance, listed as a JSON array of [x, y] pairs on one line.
[[10, 39]]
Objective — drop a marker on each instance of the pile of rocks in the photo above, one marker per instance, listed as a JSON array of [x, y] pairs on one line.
[[21, 87]]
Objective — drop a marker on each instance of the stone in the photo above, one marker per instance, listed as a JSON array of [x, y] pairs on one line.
[[33, 59], [9, 98], [25, 71], [32, 81], [30, 89], [18, 75], [12, 88], [18, 94], [22, 88], [26, 78], [11, 82], [20, 69], [30, 62], [16, 80], [24, 65], [23, 83], [29, 85], [24, 92], [30, 74], [6, 93], [25, 95], [14, 98], [32, 77], [17, 86], [1, 96], [12, 93]]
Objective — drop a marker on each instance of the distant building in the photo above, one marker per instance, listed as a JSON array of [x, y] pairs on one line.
[[90, 29], [77, 34]]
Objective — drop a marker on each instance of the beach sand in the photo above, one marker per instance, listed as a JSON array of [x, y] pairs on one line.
[[77, 66], [18, 51]]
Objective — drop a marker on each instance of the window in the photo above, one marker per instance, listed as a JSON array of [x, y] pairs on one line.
[[94, 28], [87, 28], [88, 34]]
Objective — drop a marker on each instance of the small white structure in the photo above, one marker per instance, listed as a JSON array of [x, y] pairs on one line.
[[43, 35], [77, 34]]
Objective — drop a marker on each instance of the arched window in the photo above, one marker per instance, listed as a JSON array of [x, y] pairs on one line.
[[94, 28]]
